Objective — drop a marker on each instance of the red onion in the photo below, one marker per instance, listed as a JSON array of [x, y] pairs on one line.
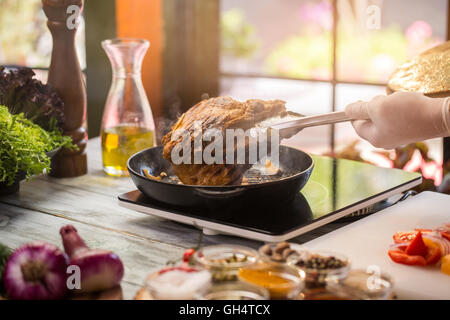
[[437, 238], [100, 269], [444, 228], [399, 246], [36, 271]]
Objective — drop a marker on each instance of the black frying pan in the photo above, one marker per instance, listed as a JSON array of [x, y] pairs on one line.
[[295, 165]]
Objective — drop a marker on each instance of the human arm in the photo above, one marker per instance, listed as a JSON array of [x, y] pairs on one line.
[[400, 118]]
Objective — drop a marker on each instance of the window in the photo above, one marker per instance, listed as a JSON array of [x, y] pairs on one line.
[[321, 55], [25, 39], [370, 53]]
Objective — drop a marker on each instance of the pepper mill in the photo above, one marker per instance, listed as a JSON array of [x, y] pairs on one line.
[[66, 77]]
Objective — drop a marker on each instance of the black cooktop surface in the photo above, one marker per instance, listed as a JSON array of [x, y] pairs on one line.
[[334, 186]]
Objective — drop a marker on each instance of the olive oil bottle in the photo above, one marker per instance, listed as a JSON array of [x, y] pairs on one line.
[[127, 125], [120, 143]]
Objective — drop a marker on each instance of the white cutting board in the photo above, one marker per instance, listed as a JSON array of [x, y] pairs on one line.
[[366, 242]]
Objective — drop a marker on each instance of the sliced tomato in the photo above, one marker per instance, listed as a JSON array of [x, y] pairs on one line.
[[417, 247], [180, 268], [402, 257], [188, 255], [404, 236]]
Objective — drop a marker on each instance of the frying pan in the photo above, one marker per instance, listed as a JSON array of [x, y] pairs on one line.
[[263, 190]]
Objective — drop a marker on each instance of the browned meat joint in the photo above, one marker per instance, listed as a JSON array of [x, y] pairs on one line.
[[219, 113]]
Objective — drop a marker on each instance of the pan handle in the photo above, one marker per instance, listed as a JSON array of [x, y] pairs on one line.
[[219, 194]]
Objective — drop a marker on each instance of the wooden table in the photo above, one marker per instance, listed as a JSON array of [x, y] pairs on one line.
[[144, 243]]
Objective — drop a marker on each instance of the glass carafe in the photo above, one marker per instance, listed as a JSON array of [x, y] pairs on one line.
[[127, 125]]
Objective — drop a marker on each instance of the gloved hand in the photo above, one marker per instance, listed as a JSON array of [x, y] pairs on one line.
[[400, 118]]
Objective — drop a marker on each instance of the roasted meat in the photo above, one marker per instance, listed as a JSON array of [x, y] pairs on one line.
[[218, 113]]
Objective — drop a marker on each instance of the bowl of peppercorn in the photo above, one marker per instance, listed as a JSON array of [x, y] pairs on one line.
[[279, 253], [321, 266]]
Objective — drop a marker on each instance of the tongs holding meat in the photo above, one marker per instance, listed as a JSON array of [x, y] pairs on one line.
[[223, 114]]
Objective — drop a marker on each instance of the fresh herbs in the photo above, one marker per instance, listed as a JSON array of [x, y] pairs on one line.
[[40, 103], [23, 146]]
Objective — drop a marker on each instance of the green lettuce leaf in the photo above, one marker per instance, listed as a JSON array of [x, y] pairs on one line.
[[23, 146]]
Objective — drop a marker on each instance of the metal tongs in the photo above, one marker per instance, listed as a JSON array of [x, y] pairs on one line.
[[290, 128]]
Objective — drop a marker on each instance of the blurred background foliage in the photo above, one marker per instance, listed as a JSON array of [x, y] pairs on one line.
[[24, 37], [238, 36], [22, 26], [363, 55]]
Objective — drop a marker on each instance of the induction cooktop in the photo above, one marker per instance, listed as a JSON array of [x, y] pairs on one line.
[[336, 189]]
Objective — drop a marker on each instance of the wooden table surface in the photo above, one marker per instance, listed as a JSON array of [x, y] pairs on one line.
[[144, 243]]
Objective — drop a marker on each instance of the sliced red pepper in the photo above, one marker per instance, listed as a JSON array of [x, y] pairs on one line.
[[446, 235], [416, 252], [417, 247], [399, 256], [404, 236], [434, 255]]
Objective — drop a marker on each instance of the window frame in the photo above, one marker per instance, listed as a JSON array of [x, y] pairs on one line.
[[334, 81], [446, 146]]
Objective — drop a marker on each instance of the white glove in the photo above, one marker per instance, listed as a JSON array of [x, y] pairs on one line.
[[400, 118]]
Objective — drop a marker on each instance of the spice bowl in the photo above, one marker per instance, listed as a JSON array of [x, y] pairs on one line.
[[321, 266], [282, 281], [280, 253], [178, 283], [225, 261], [235, 290]]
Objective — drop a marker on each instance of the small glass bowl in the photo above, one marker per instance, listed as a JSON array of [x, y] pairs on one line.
[[184, 290], [282, 281], [270, 259], [225, 261], [363, 285], [235, 290], [316, 277]]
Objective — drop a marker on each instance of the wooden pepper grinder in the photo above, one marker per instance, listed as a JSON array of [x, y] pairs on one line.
[[66, 77]]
